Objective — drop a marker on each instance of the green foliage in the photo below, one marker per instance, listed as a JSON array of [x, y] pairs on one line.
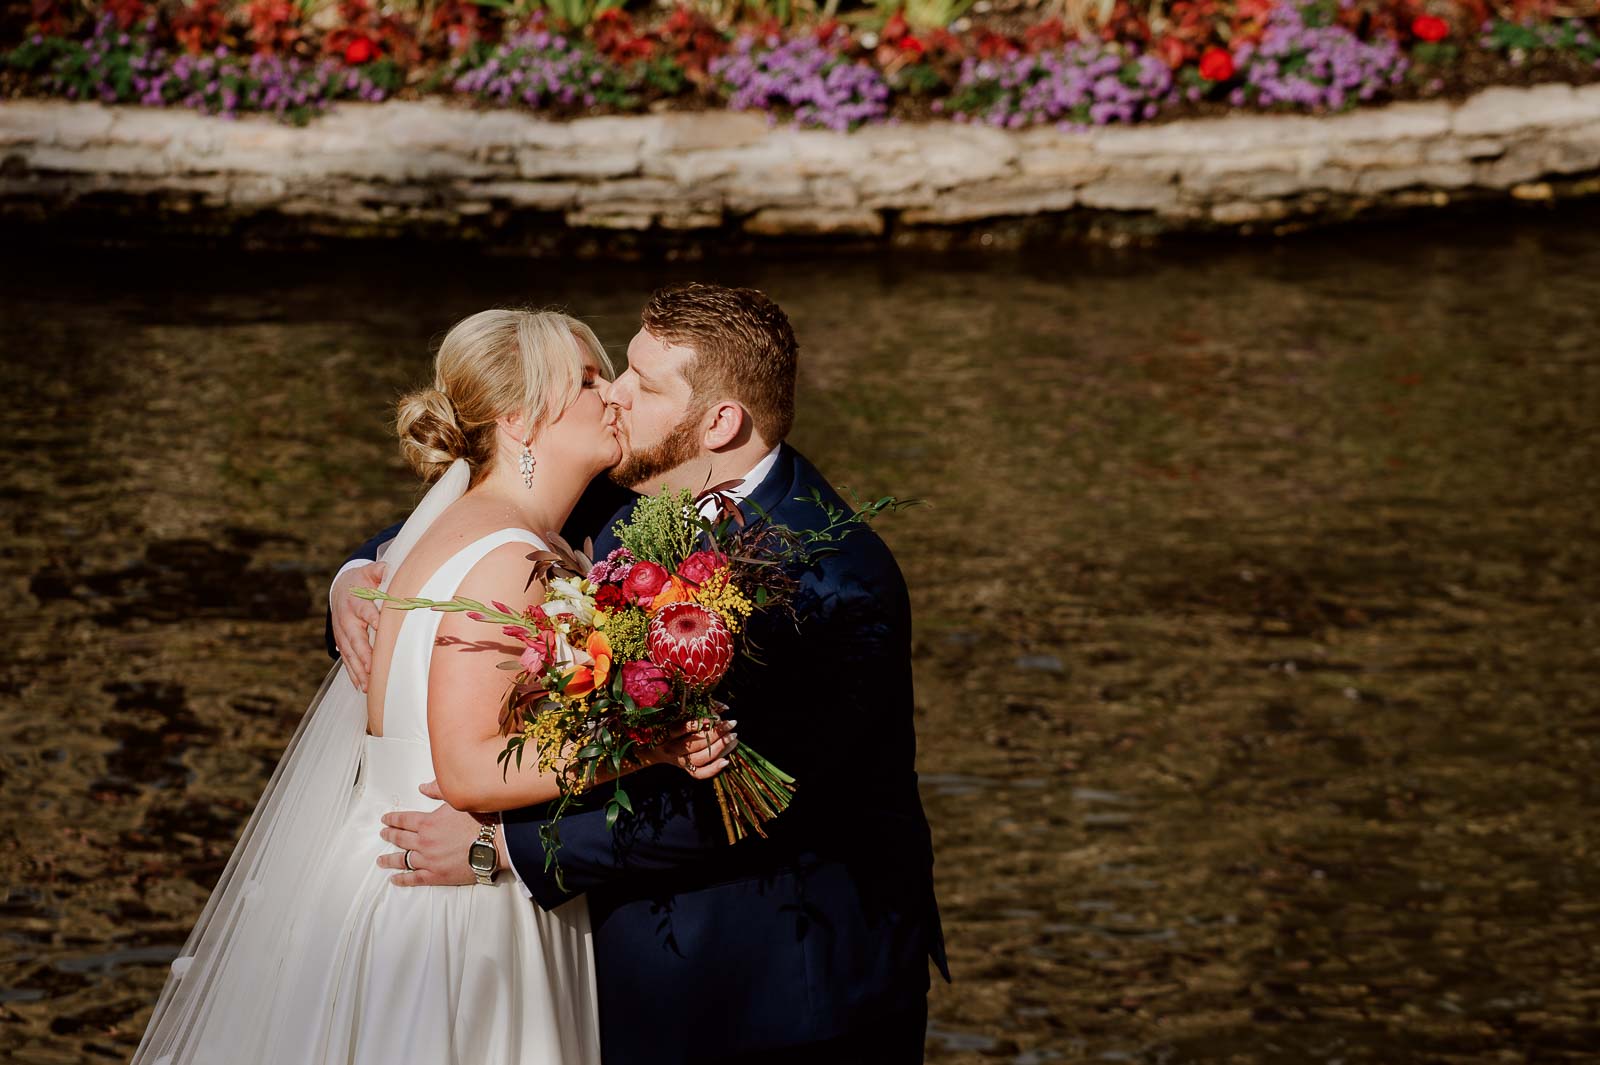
[[663, 529], [1568, 37], [918, 79], [924, 14], [1434, 54], [577, 13]]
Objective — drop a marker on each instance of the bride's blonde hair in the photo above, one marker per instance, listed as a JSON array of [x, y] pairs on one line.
[[490, 365]]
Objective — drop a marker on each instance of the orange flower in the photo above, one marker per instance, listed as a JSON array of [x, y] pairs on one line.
[[600, 651], [677, 590], [586, 679]]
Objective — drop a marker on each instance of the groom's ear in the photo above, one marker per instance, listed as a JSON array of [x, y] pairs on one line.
[[726, 424]]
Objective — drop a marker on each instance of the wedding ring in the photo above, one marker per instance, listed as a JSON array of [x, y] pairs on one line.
[[409, 866]]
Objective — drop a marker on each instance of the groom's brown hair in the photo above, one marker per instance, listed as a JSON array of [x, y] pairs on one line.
[[744, 348]]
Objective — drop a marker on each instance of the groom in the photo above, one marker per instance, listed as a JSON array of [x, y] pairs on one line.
[[811, 945]]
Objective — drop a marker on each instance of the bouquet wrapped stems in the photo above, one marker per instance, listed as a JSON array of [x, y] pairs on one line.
[[751, 792]]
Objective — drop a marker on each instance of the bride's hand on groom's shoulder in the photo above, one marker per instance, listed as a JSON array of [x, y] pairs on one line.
[[353, 620]]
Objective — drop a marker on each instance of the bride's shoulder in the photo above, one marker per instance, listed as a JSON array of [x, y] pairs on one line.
[[498, 564]]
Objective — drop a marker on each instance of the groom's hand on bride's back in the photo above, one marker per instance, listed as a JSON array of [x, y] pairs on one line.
[[437, 840], [354, 619]]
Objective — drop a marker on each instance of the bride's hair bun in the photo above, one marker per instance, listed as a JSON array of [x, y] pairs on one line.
[[491, 365], [430, 436]]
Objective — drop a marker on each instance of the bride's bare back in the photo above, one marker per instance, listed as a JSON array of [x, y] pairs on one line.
[[465, 521]]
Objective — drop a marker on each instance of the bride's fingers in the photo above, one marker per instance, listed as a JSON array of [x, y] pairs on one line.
[[707, 756], [724, 728], [706, 772]]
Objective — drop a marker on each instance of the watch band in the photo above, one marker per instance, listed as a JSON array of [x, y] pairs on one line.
[[486, 836]]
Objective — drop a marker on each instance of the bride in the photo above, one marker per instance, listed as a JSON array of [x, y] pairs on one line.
[[305, 951]]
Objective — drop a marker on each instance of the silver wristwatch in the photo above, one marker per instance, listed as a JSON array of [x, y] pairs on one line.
[[481, 855]]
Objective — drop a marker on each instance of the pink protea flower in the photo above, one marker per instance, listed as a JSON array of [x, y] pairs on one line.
[[690, 642]]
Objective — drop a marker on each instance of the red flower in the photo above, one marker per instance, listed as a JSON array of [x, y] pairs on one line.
[[1216, 65], [1430, 28], [912, 46], [610, 597], [361, 50], [690, 642], [1172, 51], [699, 566], [644, 581], [645, 682]]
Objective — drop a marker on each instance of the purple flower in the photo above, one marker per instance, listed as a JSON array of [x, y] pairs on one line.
[[805, 76]]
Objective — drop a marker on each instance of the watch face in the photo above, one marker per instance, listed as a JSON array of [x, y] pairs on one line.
[[480, 856]]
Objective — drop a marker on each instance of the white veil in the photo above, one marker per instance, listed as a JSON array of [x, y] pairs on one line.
[[216, 982]]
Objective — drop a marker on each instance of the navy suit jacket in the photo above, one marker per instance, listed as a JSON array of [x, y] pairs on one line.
[[705, 950]]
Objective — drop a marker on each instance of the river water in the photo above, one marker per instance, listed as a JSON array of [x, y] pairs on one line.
[[1256, 613]]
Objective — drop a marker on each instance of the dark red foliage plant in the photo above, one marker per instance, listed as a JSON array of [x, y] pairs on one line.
[[456, 25], [274, 25], [199, 25], [613, 35], [128, 12], [692, 40]]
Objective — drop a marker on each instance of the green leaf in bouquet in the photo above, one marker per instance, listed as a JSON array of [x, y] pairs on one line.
[[622, 800]]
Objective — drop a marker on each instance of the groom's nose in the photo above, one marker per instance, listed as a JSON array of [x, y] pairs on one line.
[[621, 393]]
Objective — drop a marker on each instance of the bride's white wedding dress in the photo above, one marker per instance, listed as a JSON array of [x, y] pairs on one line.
[[306, 953]]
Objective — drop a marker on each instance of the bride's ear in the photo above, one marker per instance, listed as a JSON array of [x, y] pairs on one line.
[[513, 429]]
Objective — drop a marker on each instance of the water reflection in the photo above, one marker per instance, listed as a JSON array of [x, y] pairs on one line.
[[1255, 603]]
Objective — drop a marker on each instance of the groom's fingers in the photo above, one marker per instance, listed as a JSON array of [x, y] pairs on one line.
[[406, 841], [404, 820]]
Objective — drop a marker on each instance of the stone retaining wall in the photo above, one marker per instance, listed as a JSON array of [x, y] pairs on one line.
[[432, 168]]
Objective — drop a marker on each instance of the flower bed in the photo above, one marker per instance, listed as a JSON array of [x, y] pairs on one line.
[[1142, 61]]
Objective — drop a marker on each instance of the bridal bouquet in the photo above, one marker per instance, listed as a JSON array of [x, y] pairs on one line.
[[625, 650]]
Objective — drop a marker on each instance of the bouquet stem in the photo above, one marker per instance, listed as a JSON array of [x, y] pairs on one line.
[[751, 792]]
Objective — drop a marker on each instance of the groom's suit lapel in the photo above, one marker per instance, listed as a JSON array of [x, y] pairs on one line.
[[775, 488]]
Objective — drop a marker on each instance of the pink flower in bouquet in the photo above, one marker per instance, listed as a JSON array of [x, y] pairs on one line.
[[699, 566], [645, 682], [645, 579], [613, 569], [690, 642], [541, 649]]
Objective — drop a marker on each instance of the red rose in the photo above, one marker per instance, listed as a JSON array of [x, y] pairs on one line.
[[1216, 65], [610, 597], [361, 50], [912, 46], [1430, 28], [644, 581], [645, 682], [699, 566]]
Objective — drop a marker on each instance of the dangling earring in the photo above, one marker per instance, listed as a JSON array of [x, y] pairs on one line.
[[526, 465]]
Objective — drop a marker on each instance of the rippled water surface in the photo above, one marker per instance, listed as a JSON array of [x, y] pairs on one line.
[[1256, 615]]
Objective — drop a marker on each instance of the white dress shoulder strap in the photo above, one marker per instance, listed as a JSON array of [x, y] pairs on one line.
[[405, 709]]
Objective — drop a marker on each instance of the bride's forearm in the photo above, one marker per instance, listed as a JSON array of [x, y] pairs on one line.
[[472, 779]]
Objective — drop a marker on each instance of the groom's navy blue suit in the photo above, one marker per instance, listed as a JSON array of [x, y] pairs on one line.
[[819, 936]]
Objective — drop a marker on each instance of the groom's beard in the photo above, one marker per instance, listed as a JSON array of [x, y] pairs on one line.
[[638, 468]]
